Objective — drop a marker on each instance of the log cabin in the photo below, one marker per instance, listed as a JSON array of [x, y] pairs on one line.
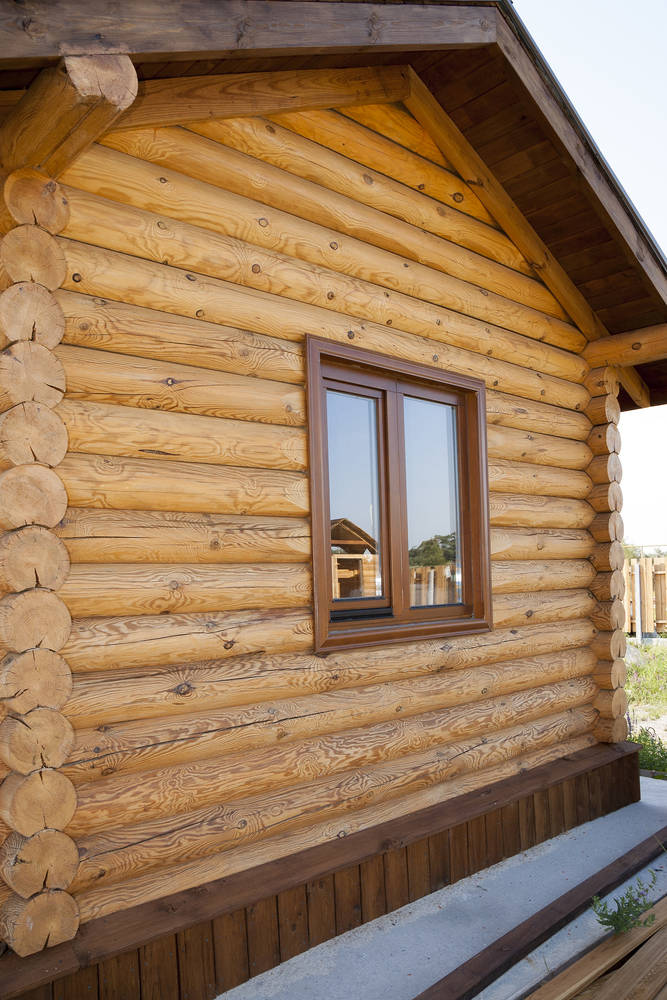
[[316, 322]]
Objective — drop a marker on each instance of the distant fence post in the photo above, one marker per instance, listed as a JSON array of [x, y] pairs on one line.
[[645, 597]]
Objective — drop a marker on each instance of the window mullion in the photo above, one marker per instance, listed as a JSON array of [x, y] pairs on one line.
[[397, 502]]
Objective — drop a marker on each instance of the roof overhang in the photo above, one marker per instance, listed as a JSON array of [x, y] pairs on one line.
[[477, 59]]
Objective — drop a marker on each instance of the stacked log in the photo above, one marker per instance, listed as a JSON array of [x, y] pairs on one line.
[[608, 584], [38, 861], [202, 717]]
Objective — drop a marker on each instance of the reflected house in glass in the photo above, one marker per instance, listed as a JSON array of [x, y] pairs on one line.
[[354, 560], [316, 328]]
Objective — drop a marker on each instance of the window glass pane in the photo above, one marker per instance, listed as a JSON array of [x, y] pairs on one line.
[[434, 548], [354, 500]]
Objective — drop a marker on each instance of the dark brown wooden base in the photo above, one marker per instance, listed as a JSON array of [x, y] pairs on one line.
[[197, 944]]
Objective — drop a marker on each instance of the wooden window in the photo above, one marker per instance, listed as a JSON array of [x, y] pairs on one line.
[[399, 499]]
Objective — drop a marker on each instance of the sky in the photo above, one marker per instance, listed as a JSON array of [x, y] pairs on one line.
[[610, 57]]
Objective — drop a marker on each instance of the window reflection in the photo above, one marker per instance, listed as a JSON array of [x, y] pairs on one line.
[[354, 495], [434, 549]]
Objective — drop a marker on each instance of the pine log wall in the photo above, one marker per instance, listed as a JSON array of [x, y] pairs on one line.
[[207, 738]]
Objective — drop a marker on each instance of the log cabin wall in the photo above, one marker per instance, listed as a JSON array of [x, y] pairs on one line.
[[208, 738]]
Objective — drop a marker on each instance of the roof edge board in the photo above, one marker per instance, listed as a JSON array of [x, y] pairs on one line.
[[527, 61], [35, 30]]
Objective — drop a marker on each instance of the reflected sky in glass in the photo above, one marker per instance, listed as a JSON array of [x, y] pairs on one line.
[[431, 469], [353, 460]]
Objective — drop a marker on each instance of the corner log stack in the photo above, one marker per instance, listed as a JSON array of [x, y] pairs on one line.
[[608, 585], [38, 862], [194, 261]]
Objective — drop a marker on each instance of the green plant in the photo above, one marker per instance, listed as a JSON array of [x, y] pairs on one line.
[[653, 752], [629, 908]]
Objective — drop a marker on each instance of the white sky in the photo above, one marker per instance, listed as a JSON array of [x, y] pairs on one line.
[[610, 57]]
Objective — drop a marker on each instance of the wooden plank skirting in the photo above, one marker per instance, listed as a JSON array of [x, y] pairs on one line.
[[203, 941]]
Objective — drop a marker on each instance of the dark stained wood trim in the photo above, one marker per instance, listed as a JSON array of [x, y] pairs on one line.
[[571, 136], [155, 29], [487, 965], [119, 932]]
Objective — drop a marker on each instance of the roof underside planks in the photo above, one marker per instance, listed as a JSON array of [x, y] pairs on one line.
[[476, 59]]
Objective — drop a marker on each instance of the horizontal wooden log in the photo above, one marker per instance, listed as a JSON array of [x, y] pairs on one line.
[[132, 181], [515, 576], [28, 253], [179, 101], [602, 381], [136, 589], [65, 109], [45, 799], [35, 678], [44, 920], [31, 494], [603, 410], [538, 480], [35, 199], [29, 311], [123, 328], [124, 802], [316, 163], [103, 377], [611, 730], [397, 124], [31, 432], [610, 674], [34, 618], [611, 704], [108, 429], [607, 527], [369, 148], [102, 272], [104, 900], [540, 543], [605, 469], [47, 860], [636, 347], [605, 439], [608, 557], [32, 557], [609, 645], [432, 116], [609, 615], [129, 536], [122, 852], [150, 640], [541, 606], [29, 372], [101, 761], [512, 411], [608, 586], [606, 497], [151, 484], [517, 510], [42, 738], [540, 449], [635, 386], [150, 236], [279, 189], [202, 686]]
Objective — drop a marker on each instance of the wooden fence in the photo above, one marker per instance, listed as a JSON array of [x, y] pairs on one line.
[[646, 584]]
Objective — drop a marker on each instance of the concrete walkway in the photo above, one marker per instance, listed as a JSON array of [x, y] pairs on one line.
[[398, 956]]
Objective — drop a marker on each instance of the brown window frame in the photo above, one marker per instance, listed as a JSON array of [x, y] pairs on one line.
[[366, 373]]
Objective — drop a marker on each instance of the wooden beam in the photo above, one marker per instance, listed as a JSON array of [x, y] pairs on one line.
[[635, 386], [195, 98], [127, 929], [486, 966], [65, 109], [493, 196], [636, 347], [157, 29]]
